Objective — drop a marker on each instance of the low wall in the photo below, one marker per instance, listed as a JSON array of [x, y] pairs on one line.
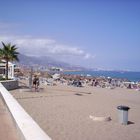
[[10, 84], [26, 126]]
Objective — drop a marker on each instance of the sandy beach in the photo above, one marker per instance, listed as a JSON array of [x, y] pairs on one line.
[[63, 112]]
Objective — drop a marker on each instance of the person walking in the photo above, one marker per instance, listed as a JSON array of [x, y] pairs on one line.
[[36, 83]]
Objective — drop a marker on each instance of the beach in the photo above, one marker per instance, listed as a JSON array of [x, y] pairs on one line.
[[63, 111]]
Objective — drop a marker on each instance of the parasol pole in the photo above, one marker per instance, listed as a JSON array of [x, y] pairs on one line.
[[30, 78]]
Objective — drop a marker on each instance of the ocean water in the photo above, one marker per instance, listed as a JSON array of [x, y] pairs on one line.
[[131, 76]]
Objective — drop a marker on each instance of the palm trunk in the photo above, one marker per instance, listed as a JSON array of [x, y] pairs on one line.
[[6, 70]]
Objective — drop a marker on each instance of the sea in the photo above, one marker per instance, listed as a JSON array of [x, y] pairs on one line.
[[131, 76]]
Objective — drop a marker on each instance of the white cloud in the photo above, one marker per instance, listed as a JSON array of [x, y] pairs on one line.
[[89, 56], [46, 47]]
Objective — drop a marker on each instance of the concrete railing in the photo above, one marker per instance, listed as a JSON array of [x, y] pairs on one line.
[[27, 127]]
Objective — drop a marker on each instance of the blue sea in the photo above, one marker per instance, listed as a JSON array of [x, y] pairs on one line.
[[131, 76]]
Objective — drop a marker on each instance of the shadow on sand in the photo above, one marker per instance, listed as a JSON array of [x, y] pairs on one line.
[[129, 122]]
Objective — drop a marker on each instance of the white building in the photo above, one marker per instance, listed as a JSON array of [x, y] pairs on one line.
[[10, 69], [56, 69]]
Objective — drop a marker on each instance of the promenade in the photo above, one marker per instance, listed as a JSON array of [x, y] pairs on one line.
[[7, 126]]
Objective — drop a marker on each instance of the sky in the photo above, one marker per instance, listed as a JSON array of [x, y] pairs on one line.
[[101, 34]]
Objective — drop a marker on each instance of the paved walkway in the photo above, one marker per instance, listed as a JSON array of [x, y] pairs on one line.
[[7, 126]]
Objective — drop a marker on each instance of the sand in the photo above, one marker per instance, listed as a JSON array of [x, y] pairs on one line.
[[63, 112]]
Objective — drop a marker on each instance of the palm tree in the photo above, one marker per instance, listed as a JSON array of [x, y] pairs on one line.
[[8, 53]]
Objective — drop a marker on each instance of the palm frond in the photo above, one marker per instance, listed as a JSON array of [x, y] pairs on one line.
[[8, 53]]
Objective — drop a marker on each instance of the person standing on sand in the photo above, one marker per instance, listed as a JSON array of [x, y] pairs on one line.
[[36, 82]]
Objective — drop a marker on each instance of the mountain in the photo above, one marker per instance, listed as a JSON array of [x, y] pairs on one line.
[[45, 61]]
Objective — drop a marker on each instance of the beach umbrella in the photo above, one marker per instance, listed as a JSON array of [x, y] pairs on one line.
[[37, 73]]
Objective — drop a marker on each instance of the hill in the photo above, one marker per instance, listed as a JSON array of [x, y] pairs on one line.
[[45, 61]]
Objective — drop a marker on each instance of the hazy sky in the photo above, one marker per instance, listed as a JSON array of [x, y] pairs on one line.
[[94, 33]]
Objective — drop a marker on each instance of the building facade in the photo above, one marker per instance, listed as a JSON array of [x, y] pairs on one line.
[[10, 69]]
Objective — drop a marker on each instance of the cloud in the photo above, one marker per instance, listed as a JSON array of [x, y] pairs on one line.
[[89, 56], [46, 47]]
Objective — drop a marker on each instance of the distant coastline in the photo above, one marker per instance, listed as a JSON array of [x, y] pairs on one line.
[[72, 70]]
